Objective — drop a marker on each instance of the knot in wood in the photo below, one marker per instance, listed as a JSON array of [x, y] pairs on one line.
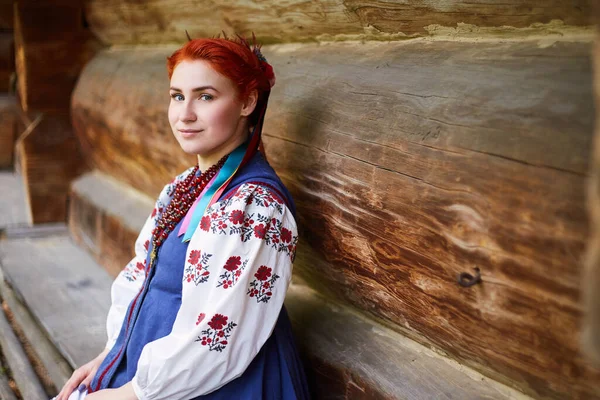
[[465, 279]]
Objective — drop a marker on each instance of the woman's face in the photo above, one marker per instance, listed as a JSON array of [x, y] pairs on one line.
[[205, 113]]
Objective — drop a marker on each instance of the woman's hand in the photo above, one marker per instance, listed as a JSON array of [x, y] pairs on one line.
[[125, 392], [82, 376]]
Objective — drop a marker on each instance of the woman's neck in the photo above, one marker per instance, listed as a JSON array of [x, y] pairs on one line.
[[207, 161]]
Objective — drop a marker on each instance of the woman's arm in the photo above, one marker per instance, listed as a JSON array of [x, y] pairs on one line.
[[125, 392], [237, 271]]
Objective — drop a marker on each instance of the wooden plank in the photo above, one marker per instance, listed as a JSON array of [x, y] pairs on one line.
[[354, 358], [50, 159], [7, 58], [6, 393], [8, 129], [410, 163], [108, 233], [6, 15], [56, 366], [22, 372], [52, 46], [591, 276], [63, 289], [12, 201], [37, 231], [165, 21]]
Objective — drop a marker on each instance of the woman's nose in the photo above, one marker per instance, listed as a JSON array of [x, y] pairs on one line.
[[187, 113]]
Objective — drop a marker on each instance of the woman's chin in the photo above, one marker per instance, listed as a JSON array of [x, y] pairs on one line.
[[189, 148]]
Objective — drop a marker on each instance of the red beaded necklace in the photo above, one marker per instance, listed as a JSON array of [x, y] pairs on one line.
[[186, 192]]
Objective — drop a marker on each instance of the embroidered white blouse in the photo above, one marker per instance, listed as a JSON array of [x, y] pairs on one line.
[[237, 270]]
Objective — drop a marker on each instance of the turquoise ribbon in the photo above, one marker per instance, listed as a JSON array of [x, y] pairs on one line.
[[229, 168]]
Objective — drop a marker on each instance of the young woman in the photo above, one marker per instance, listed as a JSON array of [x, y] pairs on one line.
[[198, 313]]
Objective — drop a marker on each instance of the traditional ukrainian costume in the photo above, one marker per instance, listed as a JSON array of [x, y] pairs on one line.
[[198, 313]]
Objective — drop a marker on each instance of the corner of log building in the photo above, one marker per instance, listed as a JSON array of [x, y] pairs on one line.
[[420, 141]]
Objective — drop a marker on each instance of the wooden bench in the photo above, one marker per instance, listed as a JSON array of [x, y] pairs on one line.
[[58, 297]]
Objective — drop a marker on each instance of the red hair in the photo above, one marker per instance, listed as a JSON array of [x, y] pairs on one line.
[[233, 58]]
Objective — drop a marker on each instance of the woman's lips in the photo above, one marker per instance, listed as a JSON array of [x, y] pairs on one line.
[[188, 133]]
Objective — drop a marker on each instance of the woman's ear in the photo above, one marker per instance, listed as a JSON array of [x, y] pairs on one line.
[[250, 104]]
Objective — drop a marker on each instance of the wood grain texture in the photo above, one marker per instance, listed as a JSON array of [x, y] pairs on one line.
[[63, 289], [8, 130], [353, 358], [105, 218], [22, 372], [6, 393], [410, 163], [51, 46], [12, 201], [59, 371], [591, 276], [50, 159], [7, 59], [6, 15], [165, 21]]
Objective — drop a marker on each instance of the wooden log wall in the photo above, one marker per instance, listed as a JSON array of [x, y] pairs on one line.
[[52, 46], [165, 21], [591, 276], [410, 163], [8, 110]]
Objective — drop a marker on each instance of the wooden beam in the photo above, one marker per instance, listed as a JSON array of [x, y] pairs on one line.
[[6, 392], [591, 276], [57, 368], [6, 15], [49, 160], [107, 232], [22, 371], [52, 46], [70, 302], [410, 163], [165, 21], [8, 130], [7, 60]]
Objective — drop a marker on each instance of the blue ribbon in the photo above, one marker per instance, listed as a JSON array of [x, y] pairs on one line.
[[229, 168]]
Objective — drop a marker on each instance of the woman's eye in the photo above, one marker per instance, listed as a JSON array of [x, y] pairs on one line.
[[206, 97], [177, 97]]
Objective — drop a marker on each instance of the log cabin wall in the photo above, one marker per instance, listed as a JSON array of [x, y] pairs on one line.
[[411, 160], [7, 99], [591, 275], [52, 44]]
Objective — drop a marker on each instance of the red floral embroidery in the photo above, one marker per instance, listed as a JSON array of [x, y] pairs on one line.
[[262, 287], [205, 223], [233, 263], [158, 209], [132, 272], [200, 318], [147, 245], [262, 197], [286, 235], [233, 270], [237, 216], [218, 321], [216, 335], [260, 231], [221, 221], [194, 257], [263, 273], [197, 269]]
